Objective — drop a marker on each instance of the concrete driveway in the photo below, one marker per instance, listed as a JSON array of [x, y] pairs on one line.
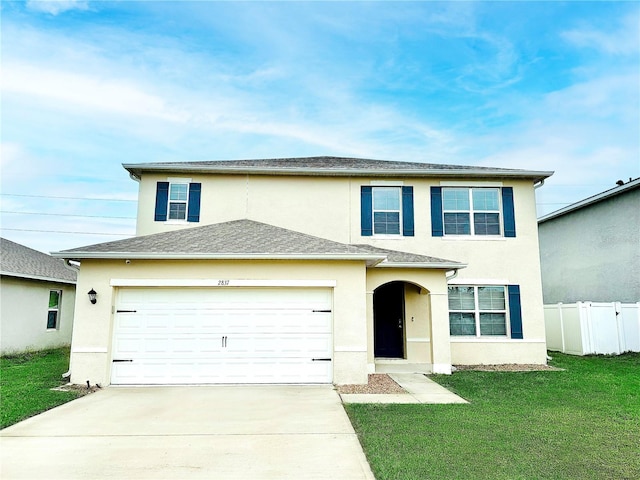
[[219, 432]]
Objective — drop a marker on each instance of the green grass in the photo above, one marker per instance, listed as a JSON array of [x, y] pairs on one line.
[[26, 381], [581, 423]]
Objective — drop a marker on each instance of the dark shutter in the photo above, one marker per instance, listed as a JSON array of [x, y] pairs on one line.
[[193, 212], [366, 211], [508, 212], [162, 200], [515, 311], [407, 211], [437, 229]]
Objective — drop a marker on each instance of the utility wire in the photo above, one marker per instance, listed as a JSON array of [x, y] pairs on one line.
[[67, 198], [75, 233], [66, 215]]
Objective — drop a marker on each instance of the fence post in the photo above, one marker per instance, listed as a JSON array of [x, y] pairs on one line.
[[561, 327]]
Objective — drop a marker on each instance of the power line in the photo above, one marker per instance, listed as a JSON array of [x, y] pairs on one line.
[[75, 233], [66, 215], [67, 198]]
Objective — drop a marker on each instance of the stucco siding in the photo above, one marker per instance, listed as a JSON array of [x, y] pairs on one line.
[[593, 254], [498, 352], [426, 313], [23, 309], [93, 334]]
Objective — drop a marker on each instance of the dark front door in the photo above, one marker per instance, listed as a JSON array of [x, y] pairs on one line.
[[388, 320]]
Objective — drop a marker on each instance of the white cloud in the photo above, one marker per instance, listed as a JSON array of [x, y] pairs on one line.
[[88, 92], [624, 39], [55, 7]]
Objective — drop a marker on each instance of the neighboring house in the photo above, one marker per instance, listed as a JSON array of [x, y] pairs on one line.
[[590, 250], [312, 270], [37, 298]]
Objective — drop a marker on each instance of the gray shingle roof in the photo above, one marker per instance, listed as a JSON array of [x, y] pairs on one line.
[[242, 239], [332, 166], [19, 261], [398, 257]]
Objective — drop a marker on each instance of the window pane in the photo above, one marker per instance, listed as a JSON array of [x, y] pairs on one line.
[[493, 324], [462, 323], [52, 320], [486, 223], [54, 298], [386, 223], [461, 298], [178, 191], [457, 224], [491, 298], [455, 199], [485, 199], [386, 198], [177, 211]]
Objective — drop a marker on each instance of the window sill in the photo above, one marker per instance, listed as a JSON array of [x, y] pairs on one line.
[[175, 222], [387, 237], [456, 339], [475, 238]]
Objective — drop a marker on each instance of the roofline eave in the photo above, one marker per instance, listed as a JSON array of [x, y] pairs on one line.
[[591, 200], [537, 176], [38, 277], [423, 265], [370, 259]]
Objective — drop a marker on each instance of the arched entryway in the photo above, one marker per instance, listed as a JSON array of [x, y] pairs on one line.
[[389, 337]]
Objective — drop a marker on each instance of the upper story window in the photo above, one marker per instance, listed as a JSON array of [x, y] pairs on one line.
[[178, 195], [53, 314], [473, 211], [177, 200], [485, 310], [386, 211]]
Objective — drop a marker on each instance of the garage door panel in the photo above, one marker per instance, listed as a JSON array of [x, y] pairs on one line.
[[237, 371], [233, 346], [196, 336]]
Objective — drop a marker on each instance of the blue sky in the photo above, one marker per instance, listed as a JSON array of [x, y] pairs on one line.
[[87, 86]]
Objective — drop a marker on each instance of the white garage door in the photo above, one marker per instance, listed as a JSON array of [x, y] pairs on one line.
[[222, 335]]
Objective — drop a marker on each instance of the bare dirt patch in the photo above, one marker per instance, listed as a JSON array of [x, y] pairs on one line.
[[511, 367], [80, 389], [379, 383]]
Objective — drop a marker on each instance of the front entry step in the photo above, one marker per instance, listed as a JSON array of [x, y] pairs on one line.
[[401, 366]]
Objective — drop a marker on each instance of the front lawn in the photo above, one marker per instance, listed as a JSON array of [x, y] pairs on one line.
[[26, 381], [581, 423]]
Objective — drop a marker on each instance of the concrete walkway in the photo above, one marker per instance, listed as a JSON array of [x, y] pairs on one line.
[[420, 389], [239, 432]]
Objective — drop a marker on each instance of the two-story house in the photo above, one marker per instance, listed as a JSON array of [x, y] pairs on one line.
[[312, 270]]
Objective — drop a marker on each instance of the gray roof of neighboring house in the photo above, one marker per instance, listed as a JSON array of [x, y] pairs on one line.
[[19, 261], [245, 239], [333, 166], [618, 190]]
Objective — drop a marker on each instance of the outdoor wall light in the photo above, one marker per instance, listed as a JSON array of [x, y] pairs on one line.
[[92, 296]]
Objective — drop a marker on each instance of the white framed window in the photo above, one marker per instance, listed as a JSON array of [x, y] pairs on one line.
[[387, 210], [178, 196], [53, 313], [478, 310], [471, 211]]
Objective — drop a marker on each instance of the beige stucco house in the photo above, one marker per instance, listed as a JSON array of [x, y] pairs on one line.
[[312, 270], [37, 297]]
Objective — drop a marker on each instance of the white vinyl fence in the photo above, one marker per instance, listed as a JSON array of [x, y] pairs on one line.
[[585, 328]]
